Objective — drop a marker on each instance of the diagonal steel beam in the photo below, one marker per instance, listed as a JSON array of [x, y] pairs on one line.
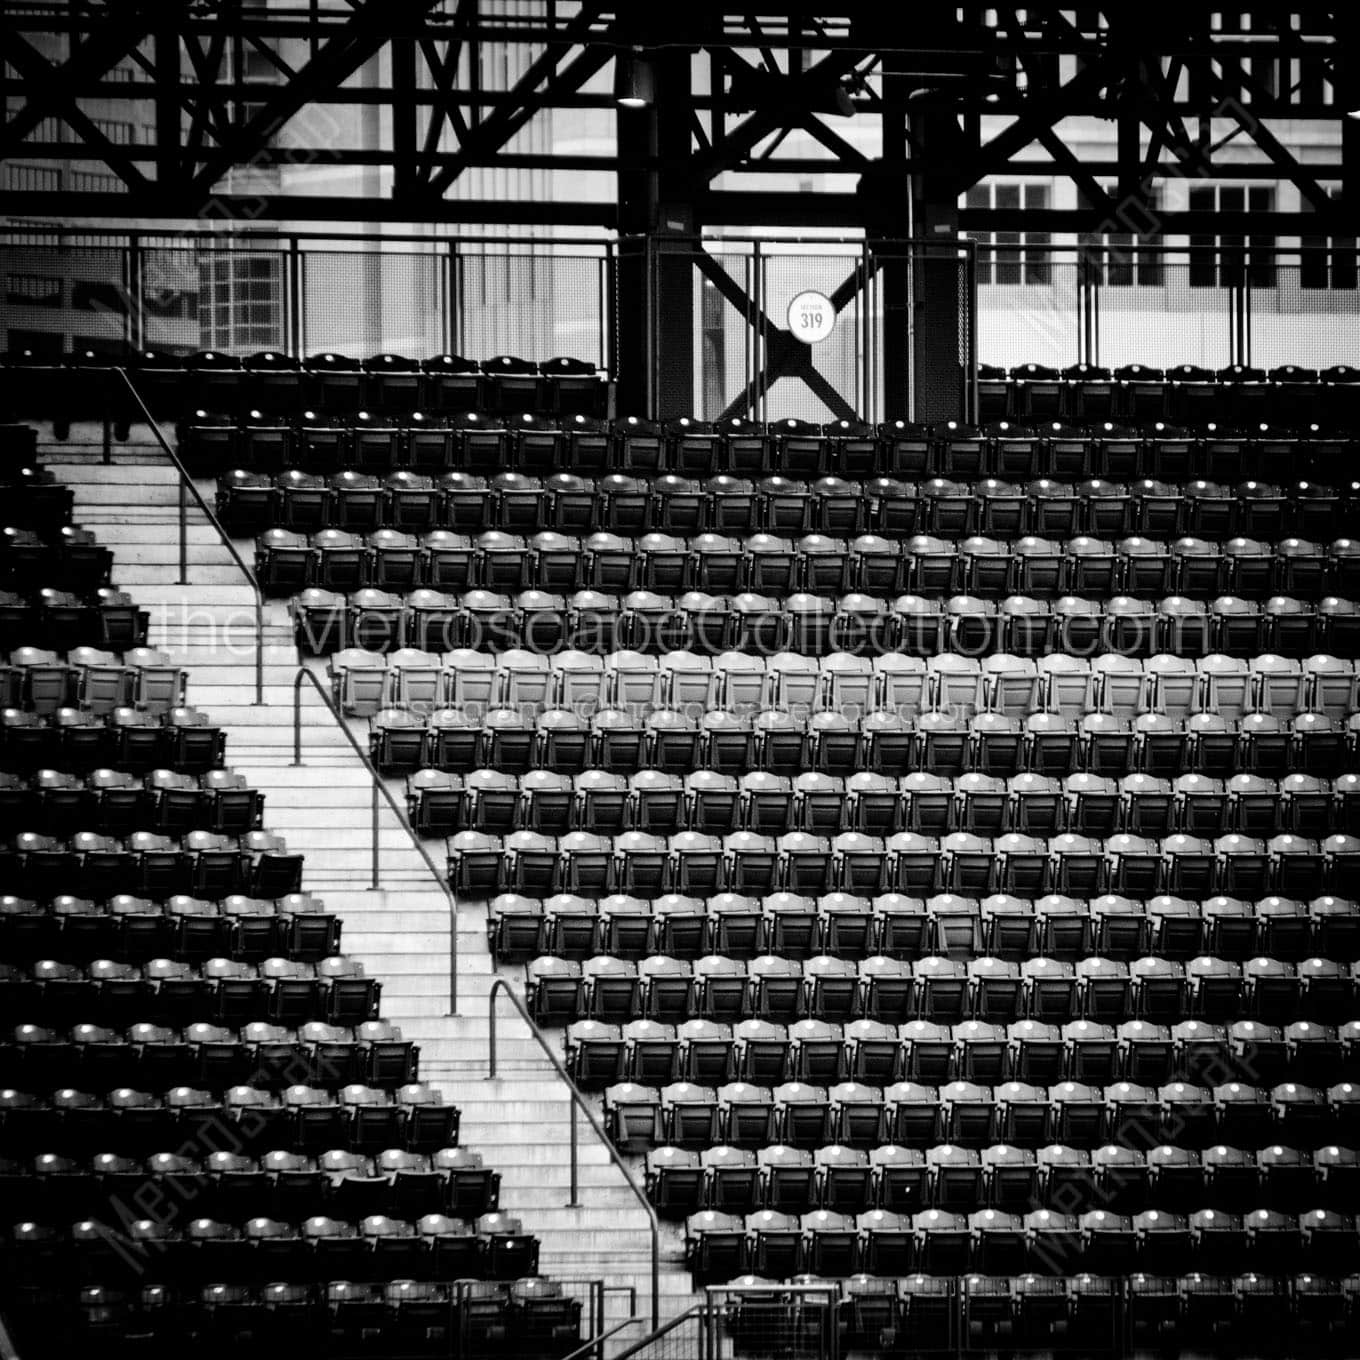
[[444, 71], [1279, 154], [737, 143], [1097, 197], [29, 62], [1043, 115], [536, 88], [56, 86], [785, 357], [338, 58]]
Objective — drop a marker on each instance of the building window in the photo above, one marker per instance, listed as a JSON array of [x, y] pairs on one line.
[[1120, 259], [240, 303], [32, 178], [47, 129], [96, 182], [1233, 260], [32, 290], [1328, 261], [1011, 257], [120, 133]]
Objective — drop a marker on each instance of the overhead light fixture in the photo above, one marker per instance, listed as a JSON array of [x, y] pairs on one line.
[[634, 80]]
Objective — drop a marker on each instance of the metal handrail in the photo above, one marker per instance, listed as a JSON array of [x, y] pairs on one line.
[[596, 1341], [694, 1310], [380, 788], [185, 481], [501, 986]]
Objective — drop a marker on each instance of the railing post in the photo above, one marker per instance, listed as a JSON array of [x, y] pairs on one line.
[[297, 718], [491, 1027], [574, 1200], [578, 1101], [183, 534], [185, 485], [295, 296], [374, 884]]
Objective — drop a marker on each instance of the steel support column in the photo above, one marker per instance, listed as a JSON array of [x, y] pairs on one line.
[[656, 277]]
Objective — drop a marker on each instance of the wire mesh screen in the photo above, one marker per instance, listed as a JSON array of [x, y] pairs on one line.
[[370, 302], [1028, 308], [535, 305], [822, 381], [790, 1322], [60, 298], [1309, 314], [170, 297], [1163, 310], [726, 341], [938, 318]]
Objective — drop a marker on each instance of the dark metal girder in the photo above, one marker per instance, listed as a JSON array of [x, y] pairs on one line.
[[255, 209], [1006, 104], [729, 208], [533, 92], [923, 164], [369, 27]]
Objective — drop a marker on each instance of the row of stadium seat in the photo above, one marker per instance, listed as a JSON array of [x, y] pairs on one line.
[[251, 502], [65, 561], [120, 802], [943, 742], [1186, 391], [334, 559], [63, 620], [991, 1242], [205, 864], [94, 1057], [317, 1249], [233, 1188], [376, 620], [906, 1180], [41, 680], [433, 441], [1091, 1314], [138, 929], [685, 1114], [180, 992], [300, 1118], [417, 1318], [81, 385], [129, 739], [442, 803], [646, 865], [363, 682], [845, 926], [938, 989], [827, 1053]]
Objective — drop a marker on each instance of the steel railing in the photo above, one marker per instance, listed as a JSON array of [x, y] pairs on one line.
[[577, 1101], [697, 1311], [380, 790], [594, 1348], [186, 484]]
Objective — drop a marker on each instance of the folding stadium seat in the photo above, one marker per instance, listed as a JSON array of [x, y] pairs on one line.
[[980, 803], [784, 923], [1336, 927]]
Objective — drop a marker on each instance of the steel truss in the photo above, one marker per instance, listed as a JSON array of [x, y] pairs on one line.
[[223, 85]]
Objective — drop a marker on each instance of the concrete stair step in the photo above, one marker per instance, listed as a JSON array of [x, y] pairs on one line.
[[401, 930]]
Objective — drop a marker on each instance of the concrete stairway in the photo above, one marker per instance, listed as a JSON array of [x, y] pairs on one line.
[[400, 931]]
